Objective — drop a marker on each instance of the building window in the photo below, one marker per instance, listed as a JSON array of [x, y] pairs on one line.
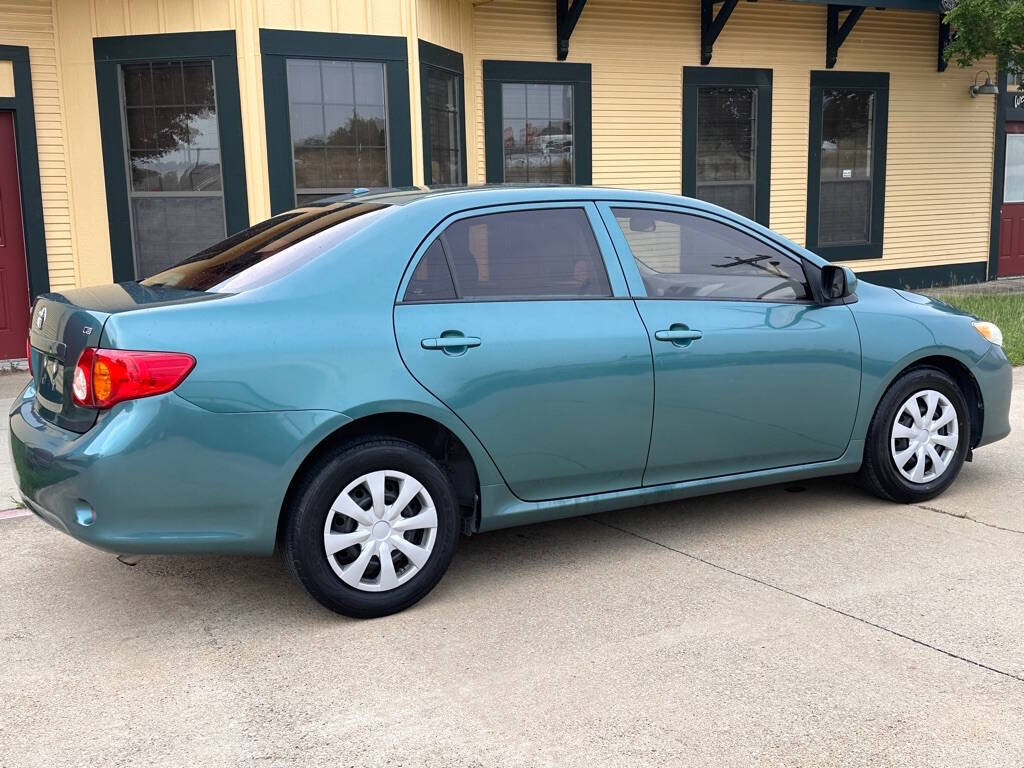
[[846, 194], [727, 138], [537, 122], [337, 114], [536, 133], [175, 187], [174, 184], [443, 106]]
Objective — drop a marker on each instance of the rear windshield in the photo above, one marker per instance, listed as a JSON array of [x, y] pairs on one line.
[[269, 250]]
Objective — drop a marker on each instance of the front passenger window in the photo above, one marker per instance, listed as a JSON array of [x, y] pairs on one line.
[[681, 255]]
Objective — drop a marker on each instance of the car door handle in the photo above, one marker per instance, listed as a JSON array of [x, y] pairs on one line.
[[450, 343], [677, 335]]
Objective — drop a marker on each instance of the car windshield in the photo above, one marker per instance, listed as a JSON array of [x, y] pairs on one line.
[[269, 250]]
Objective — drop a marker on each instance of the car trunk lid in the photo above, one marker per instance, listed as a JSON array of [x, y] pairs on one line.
[[64, 324]]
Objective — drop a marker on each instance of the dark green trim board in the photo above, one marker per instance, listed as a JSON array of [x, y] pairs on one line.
[[868, 81], [110, 53], [916, 278], [28, 168], [450, 61], [578, 75], [695, 78], [998, 177], [279, 45], [931, 6]]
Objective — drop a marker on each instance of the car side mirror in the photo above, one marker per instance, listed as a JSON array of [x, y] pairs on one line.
[[837, 283]]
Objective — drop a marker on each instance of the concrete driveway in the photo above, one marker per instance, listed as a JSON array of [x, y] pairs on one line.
[[810, 625]]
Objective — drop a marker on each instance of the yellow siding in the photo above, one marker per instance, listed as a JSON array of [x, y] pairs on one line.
[[78, 21], [30, 23], [6, 79], [940, 146]]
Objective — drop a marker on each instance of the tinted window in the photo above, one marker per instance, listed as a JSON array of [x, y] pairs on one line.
[[548, 252], [432, 280], [273, 248], [685, 256]]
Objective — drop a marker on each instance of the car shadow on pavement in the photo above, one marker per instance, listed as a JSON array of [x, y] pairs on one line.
[[515, 560]]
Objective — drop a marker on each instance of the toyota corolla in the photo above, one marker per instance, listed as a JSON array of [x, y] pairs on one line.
[[360, 382]]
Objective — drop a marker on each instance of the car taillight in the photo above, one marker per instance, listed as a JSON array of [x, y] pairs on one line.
[[28, 356], [104, 377]]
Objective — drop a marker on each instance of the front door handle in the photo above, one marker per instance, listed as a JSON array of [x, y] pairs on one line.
[[451, 342], [679, 335]]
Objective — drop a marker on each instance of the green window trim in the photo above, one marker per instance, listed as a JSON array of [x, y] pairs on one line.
[[695, 78], [450, 61], [496, 73], [110, 53], [279, 45], [878, 82], [27, 152]]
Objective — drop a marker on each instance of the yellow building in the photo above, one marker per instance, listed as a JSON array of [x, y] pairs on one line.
[[136, 132]]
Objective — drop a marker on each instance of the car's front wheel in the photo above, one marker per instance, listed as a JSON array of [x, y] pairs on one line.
[[918, 438], [372, 529]]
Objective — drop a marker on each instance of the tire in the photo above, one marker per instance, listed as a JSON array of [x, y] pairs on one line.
[[354, 581], [888, 470]]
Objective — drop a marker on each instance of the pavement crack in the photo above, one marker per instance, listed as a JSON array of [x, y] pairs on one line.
[[965, 516], [812, 601]]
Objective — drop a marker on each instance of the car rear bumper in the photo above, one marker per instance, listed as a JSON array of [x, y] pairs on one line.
[[161, 476], [994, 375]]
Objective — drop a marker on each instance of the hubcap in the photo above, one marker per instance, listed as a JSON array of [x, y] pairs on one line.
[[924, 437], [380, 530]]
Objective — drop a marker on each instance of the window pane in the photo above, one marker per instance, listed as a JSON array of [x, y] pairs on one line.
[[847, 133], [270, 249], [169, 228], [432, 280], [1014, 184], [537, 133], [726, 152], [445, 126], [339, 105], [685, 256], [172, 137], [548, 252]]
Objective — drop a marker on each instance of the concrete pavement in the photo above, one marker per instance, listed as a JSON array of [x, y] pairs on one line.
[[804, 625]]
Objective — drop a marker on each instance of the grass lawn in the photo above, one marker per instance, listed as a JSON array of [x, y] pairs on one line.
[[1004, 309]]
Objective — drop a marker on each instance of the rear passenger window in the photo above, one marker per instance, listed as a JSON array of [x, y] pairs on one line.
[[432, 280], [548, 252], [684, 256]]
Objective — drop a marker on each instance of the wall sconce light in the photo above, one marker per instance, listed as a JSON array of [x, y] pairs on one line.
[[988, 88]]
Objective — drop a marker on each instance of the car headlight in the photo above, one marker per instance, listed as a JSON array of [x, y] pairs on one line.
[[990, 331]]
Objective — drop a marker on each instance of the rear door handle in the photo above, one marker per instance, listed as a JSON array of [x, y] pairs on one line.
[[679, 335], [451, 344]]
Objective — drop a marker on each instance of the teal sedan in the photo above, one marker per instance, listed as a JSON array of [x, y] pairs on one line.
[[359, 382]]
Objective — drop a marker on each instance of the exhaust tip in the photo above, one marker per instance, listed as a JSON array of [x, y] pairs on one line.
[[130, 560]]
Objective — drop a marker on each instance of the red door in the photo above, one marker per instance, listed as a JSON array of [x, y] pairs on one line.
[[14, 301], [1011, 217]]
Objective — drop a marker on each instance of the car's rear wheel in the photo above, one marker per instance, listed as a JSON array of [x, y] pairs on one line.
[[918, 438], [372, 528]]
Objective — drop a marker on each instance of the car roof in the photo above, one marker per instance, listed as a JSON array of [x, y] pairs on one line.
[[496, 194]]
